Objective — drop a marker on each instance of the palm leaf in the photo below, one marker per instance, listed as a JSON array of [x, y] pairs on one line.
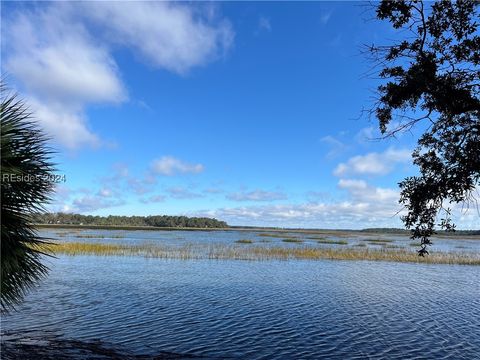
[[26, 186]]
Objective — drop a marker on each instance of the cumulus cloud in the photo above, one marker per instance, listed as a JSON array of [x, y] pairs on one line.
[[256, 195], [169, 165], [91, 203], [104, 192], [61, 69], [153, 199], [62, 66], [167, 35], [373, 163], [83, 200], [179, 192], [365, 206]]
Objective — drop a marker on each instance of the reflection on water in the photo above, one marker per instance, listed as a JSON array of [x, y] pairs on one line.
[[260, 310]]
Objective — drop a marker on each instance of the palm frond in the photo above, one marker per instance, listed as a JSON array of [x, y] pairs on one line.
[[26, 186]]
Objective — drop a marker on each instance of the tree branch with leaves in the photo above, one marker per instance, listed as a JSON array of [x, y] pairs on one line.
[[433, 75]]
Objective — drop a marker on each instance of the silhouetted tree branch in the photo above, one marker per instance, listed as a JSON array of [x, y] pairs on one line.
[[433, 75]]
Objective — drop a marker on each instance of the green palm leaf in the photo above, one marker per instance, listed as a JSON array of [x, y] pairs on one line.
[[26, 186]]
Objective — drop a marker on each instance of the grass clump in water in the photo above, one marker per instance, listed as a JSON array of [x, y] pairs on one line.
[[378, 241], [244, 241], [292, 240], [89, 236], [415, 244], [333, 242]]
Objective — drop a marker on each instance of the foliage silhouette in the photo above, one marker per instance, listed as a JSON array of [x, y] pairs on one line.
[[26, 185], [433, 76]]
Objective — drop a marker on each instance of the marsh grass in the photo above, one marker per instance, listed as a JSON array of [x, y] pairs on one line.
[[232, 252], [98, 236], [292, 240], [333, 242], [391, 246], [415, 244], [360, 245], [378, 241], [281, 235], [244, 241]]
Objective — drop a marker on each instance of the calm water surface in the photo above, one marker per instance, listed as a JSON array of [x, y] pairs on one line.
[[259, 309]]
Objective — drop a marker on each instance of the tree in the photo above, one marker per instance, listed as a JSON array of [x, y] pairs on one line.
[[433, 77], [26, 184]]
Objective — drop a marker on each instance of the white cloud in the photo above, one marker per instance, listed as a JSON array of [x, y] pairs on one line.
[[170, 36], [373, 163], [153, 199], [336, 146], [60, 54], [256, 195], [67, 125], [367, 134], [351, 184], [169, 165], [365, 206], [213, 190], [91, 203], [61, 70], [264, 24], [179, 192], [325, 17], [56, 59], [360, 192], [104, 192]]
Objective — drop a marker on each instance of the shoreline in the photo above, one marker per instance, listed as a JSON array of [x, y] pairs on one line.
[[337, 232]]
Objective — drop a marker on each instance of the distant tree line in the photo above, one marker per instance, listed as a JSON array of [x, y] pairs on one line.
[[407, 232], [111, 220]]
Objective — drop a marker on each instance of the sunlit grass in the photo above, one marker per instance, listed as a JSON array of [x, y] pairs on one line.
[[232, 252]]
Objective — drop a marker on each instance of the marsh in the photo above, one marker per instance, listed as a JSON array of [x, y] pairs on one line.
[[262, 308]]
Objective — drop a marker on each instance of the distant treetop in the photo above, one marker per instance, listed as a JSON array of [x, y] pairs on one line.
[[155, 220]]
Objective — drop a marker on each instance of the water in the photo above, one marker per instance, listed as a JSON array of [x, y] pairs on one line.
[[181, 238], [259, 309]]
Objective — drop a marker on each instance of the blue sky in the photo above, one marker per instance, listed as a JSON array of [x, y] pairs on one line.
[[244, 111]]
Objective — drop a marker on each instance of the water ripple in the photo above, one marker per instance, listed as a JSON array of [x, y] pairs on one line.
[[260, 310]]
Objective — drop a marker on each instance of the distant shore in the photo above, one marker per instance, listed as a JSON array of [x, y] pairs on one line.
[[339, 232]]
